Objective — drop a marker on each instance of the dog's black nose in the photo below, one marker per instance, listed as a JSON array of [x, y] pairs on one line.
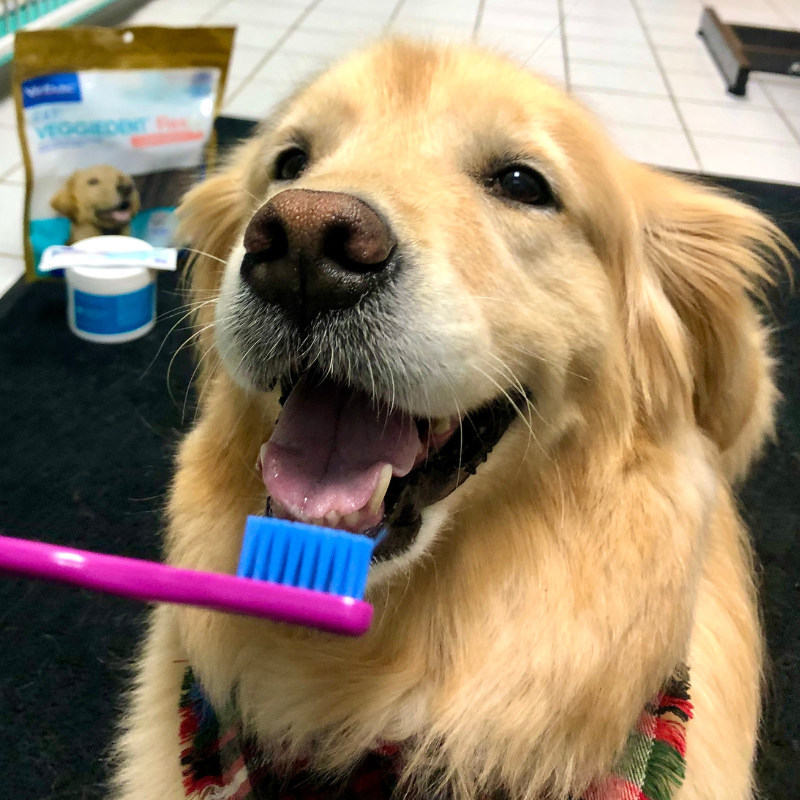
[[125, 189], [311, 251]]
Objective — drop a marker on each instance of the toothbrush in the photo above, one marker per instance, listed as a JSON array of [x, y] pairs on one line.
[[288, 572]]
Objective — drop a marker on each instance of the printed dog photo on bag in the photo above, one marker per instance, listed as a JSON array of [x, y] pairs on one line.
[[99, 200], [103, 201]]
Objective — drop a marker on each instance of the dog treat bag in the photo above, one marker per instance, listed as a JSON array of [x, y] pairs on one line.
[[115, 124]]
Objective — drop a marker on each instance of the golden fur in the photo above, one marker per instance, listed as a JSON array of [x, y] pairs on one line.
[[90, 192], [600, 543]]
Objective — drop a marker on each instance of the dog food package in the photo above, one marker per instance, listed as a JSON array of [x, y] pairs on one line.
[[115, 125]]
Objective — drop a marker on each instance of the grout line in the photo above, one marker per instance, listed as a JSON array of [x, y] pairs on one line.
[[700, 101], [622, 92], [4, 175], [610, 121], [706, 101], [782, 114], [665, 78], [12, 255], [696, 72], [221, 6], [319, 28], [393, 16], [675, 28], [478, 18], [564, 50], [546, 41], [690, 100], [580, 37], [209, 14], [254, 47], [595, 15], [675, 48], [272, 50], [753, 140], [606, 62], [786, 18]]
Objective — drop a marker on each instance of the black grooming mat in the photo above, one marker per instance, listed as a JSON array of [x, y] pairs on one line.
[[87, 436]]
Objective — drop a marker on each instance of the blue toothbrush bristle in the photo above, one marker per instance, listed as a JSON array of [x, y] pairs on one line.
[[307, 556]]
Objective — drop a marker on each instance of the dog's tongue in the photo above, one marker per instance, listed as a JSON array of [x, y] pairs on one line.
[[329, 448], [120, 216]]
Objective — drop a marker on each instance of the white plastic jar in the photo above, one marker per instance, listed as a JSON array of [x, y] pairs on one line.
[[110, 305]]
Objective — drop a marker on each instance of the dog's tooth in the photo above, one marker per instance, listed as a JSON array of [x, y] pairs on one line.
[[374, 504], [260, 459], [351, 520], [441, 425], [331, 519]]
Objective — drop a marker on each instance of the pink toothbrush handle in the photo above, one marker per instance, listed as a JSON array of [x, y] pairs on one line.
[[153, 582]]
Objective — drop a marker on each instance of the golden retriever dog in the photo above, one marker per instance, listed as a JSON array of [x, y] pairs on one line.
[[98, 200], [563, 348]]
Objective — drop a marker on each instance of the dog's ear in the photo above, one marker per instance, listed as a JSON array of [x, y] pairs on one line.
[[696, 339], [64, 201]]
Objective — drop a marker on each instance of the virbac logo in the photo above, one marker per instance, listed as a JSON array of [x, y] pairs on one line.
[[62, 87]]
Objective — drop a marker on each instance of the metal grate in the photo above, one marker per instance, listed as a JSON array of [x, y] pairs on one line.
[[16, 14]]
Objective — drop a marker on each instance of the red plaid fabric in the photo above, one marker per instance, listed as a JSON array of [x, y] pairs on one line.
[[220, 762]]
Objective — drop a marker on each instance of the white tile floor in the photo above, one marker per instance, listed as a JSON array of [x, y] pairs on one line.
[[637, 63]]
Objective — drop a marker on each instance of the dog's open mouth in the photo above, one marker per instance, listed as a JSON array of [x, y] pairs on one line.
[[120, 214], [338, 459]]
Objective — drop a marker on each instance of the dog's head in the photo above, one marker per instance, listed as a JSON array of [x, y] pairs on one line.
[[101, 196], [434, 255]]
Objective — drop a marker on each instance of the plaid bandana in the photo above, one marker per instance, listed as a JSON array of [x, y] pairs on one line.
[[221, 762]]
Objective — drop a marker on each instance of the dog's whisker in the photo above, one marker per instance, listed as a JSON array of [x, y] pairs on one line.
[[205, 254], [248, 192], [508, 373], [246, 354], [181, 347], [539, 357], [511, 375], [529, 425], [215, 367], [200, 361], [461, 436], [532, 408], [192, 309]]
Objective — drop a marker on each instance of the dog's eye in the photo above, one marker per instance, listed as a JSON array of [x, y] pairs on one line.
[[93, 181], [290, 163], [521, 184]]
